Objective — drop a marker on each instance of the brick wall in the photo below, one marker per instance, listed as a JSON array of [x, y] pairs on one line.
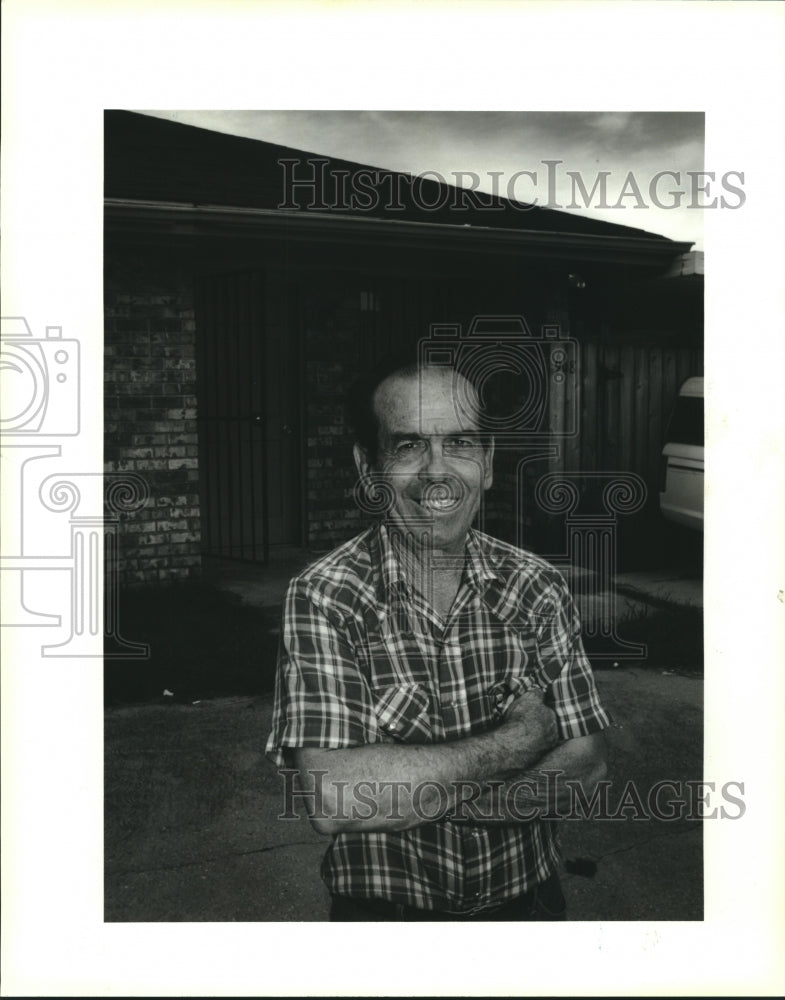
[[150, 414], [332, 351]]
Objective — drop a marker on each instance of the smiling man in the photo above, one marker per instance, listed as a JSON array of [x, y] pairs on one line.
[[432, 685]]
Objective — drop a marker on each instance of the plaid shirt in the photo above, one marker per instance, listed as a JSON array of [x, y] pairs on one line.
[[364, 659]]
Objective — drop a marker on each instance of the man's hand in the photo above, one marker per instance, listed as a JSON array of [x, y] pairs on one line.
[[536, 723]]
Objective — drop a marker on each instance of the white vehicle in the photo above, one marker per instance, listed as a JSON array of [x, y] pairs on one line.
[[681, 471]]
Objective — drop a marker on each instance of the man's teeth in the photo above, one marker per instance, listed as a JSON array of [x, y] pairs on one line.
[[443, 504]]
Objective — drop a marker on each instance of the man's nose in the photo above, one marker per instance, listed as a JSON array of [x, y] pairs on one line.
[[434, 460]]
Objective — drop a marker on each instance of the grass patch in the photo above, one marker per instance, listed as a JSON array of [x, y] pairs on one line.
[[204, 643]]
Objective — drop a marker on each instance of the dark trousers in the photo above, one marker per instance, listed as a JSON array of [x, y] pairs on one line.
[[544, 902]]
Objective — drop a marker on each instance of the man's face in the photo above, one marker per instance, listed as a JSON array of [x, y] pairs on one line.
[[435, 463]]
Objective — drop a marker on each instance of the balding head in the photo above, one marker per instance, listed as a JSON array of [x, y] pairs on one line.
[[389, 381]]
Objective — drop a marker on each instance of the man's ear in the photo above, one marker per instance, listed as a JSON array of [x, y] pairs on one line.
[[361, 460], [488, 460]]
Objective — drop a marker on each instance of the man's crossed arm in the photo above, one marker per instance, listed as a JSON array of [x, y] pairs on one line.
[[393, 786]]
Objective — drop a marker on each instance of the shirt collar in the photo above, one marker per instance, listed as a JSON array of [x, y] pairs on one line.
[[390, 579], [388, 566], [480, 569]]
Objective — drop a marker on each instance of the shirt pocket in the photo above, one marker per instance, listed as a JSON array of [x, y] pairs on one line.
[[402, 712], [395, 661]]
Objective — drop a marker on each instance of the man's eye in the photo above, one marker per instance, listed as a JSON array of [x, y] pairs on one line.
[[410, 446], [461, 444]]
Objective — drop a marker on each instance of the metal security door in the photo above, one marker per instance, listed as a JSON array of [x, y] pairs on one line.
[[282, 415], [247, 402]]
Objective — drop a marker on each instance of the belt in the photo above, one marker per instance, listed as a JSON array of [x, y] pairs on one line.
[[349, 908]]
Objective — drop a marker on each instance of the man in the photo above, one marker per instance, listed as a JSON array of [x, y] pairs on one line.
[[432, 682]]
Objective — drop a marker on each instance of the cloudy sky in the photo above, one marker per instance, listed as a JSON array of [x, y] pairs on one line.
[[633, 147]]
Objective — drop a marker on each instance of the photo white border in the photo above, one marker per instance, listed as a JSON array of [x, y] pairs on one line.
[[64, 63]]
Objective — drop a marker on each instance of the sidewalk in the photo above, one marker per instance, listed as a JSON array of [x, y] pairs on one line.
[[265, 586], [657, 586]]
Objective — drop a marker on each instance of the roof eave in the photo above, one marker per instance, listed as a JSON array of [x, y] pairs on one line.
[[188, 220]]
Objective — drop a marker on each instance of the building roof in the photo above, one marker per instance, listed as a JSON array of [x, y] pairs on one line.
[[160, 173], [687, 265]]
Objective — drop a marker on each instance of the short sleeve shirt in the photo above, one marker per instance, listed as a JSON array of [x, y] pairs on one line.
[[365, 659]]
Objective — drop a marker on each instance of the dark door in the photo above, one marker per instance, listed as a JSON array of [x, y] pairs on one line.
[[282, 416], [248, 407]]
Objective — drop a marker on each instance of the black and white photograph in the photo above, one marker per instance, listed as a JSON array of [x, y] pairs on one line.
[[522, 385], [391, 445]]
